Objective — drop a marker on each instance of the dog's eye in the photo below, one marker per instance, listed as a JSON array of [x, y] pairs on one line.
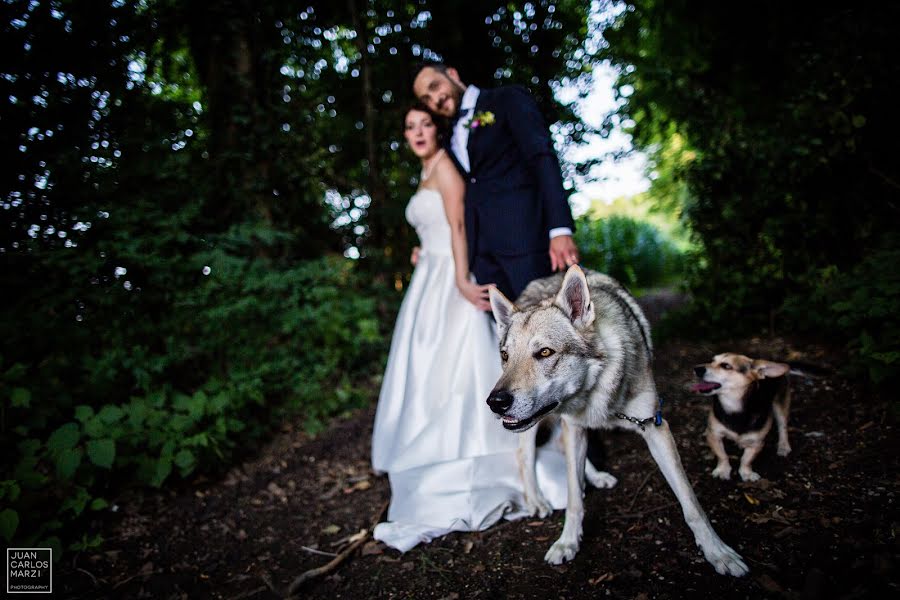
[[726, 366], [545, 352], [504, 355]]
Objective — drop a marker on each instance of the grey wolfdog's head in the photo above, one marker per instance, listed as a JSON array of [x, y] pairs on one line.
[[548, 352]]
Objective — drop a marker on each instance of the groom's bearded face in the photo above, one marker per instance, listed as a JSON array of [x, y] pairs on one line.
[[440, 92]]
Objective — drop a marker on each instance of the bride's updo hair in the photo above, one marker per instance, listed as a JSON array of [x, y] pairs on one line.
[[442, 123]]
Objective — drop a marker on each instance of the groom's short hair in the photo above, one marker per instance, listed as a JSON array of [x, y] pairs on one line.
[[425, 64]]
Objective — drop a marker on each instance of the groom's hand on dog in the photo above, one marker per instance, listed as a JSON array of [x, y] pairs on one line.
[[563, 252]]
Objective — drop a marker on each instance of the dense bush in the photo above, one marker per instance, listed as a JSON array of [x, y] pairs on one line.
[[860, 305], [632, 251], [248, 345], [773, 125]]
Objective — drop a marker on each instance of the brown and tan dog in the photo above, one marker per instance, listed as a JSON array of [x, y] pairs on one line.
[[749, 394]]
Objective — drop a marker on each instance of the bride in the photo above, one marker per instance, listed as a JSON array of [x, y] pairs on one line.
[[451, 466]]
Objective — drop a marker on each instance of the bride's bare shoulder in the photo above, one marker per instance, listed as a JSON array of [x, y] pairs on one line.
[[446, 171]]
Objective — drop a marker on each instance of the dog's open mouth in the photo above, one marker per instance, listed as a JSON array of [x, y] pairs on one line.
[[704, 387], [514, 425]]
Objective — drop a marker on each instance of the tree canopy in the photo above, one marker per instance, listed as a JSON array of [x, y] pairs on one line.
[[182, 181], [771, 126]]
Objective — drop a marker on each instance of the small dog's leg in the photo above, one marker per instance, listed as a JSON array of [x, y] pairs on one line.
[[750, 453], [598, 479], [780, 410], [535, 503], [723, 468], [566, 547], [662, 446]]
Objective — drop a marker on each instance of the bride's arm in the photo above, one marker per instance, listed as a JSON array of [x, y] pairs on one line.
[[453, 190]]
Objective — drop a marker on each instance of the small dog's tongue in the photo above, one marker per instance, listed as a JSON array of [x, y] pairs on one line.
[[704, 386]]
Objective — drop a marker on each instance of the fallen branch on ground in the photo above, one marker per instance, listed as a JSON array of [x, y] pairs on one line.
[[331, 566]]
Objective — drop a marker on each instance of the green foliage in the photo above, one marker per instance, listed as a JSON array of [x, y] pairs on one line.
[[302, 340], [771, 127], [860, 305], [180, 181], [633, 252]]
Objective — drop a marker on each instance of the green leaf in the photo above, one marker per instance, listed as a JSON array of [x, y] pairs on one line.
[[137, 412], [9, 522], [10, 489], [197, 404], [83, 413], [111, 413], [64, 438], [181, 423], [86, 543], [53, 543], [67, 462], [99, 504], [20, 397], [95, 427], [167, 449], [858, 121], [76, 502], [102, 452], [185, 459], [162, 471]]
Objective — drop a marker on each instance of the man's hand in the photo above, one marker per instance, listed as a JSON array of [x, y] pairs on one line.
[[414, 257], [563, 252]]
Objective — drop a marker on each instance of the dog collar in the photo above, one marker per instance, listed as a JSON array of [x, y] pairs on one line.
[[657, 418]]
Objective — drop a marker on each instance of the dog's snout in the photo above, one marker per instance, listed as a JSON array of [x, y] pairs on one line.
[[500, 401], [700, 370]]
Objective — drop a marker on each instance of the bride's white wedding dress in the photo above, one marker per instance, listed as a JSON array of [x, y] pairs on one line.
[[452, 466]]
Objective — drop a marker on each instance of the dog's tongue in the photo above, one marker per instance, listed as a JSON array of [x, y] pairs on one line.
[[704, 386]]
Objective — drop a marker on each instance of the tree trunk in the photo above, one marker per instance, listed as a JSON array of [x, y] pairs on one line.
[[376, 188]]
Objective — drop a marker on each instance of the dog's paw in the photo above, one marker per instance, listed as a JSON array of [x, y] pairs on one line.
[[748, 475], [538, 506], [722, 472], [725, 560], [784, 449], [561, 552], [601, 479]]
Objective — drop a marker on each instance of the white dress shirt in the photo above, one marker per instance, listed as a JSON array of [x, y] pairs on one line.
[[459, 140]]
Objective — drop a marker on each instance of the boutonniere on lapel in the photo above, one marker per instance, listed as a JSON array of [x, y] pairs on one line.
[[481, 119]]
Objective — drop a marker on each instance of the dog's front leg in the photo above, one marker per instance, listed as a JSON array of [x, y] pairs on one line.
[[566, 547], [535, 503], [662, 446], [780, 409], [751, 451], [723, 467], [598, 479]]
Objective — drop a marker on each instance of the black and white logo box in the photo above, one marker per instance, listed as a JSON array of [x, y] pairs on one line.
[[29, 571]]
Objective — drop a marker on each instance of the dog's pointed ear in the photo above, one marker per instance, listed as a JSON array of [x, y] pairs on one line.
[[502, 308], [574, 298], [765, 368]]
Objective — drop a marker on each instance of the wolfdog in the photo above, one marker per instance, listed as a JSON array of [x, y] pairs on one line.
[[579, 346], [748, 394]]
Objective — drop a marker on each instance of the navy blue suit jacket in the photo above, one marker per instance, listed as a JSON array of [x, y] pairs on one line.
[[514, 192]]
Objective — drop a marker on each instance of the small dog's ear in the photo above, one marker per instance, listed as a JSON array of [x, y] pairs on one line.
[[502, 309], [765, 368], [574, 298]]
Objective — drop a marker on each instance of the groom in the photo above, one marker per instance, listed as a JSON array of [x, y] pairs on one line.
[[518, 223]]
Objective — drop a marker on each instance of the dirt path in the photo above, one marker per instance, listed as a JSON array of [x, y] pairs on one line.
[[822, 523]]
